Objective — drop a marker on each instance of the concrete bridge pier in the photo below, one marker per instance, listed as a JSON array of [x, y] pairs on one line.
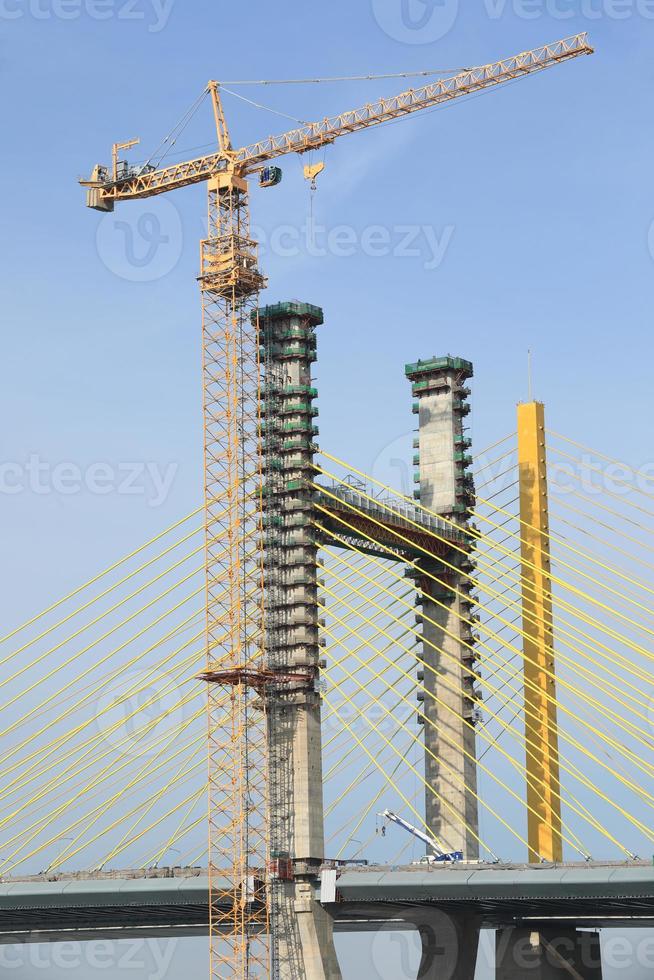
[[302, 935], [450, 944], [549, 953], [449, 708]]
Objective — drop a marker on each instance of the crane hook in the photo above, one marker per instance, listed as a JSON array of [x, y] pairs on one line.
[[311, 171]]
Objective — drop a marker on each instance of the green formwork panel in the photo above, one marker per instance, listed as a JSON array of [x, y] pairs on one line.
[[435, 364], [282, 311]]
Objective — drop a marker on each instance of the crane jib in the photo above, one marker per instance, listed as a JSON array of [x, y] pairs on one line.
[[149, 182]]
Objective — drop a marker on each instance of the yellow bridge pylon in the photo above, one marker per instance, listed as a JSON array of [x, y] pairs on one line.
[[541, 723]]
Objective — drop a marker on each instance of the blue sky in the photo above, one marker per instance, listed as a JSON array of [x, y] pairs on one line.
[[527, 215]]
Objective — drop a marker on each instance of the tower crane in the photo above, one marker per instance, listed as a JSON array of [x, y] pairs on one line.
[[244, 917]]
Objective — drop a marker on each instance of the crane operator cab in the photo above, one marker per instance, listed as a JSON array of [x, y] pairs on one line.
[[270, 177]]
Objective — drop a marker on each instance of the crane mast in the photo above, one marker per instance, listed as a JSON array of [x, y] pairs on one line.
[[240, 661], [238, 803]]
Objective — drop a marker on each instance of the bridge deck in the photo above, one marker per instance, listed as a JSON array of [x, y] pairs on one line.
[[176, 904]]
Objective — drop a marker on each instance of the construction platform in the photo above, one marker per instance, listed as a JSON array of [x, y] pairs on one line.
[[399, 530]]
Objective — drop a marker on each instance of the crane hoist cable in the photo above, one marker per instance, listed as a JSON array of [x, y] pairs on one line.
[[425, 73]]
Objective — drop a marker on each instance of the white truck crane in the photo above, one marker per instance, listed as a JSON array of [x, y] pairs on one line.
[[437, 856]]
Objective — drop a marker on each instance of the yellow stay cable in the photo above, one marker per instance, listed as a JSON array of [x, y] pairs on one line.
[[640, 763], [471, 757], [491, 482], [396, 788], [76, 729], [633, 559], [184, 831], [385, 612], [595, 452], [49, 799], [587, 641], [363, 774], [572, 568], [482, 464], [112, 826], [356, 820], [336, 664], [171, 843], [197, 856], [620, 719], [500, 442], [443, 762], [97, 779], [101, 686], [94, 622], [76, 612], [87, 691], [187, 767], [635, 788], [563, 541], [459, 690], [90, 743], [486, 588], [179, 830], [41, 825], [595, 520], [598, 469], [363, 816], [343, 764], [606, 509], [100, 575], [408, 676], [100, 639], [458, 528], [549, 696], [339, 767], [450, 523], [582, 639], [139, 783], [193, 797], [521, 769]]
